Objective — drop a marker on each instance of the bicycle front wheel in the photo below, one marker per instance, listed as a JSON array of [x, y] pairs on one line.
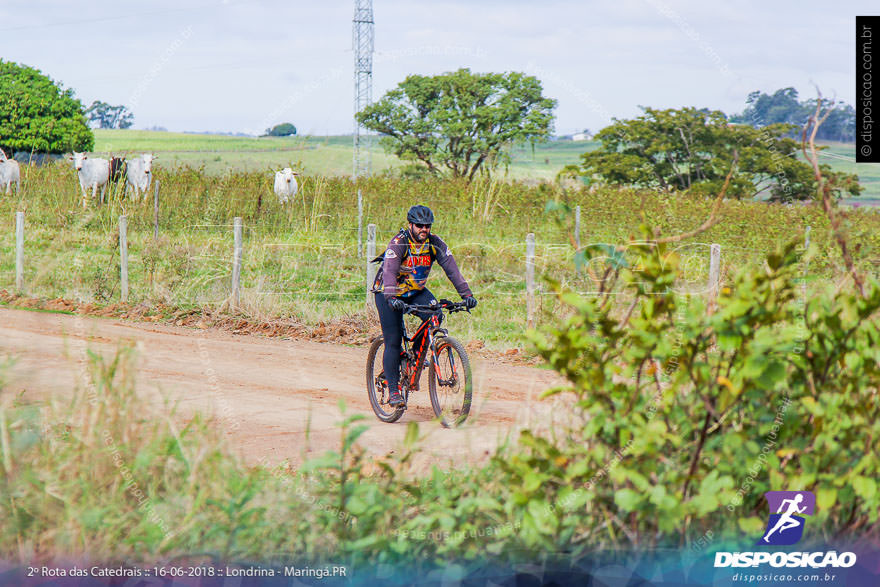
[[377, 386], [449, 381]]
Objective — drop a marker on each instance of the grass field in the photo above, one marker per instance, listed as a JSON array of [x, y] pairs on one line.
[[332, 155], [841, 157], [301, 261]]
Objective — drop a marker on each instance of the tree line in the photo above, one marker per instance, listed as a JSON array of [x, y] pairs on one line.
[[461, 124], [783, 107]]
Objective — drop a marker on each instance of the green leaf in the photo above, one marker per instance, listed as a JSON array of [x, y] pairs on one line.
[[729, 342], [356, 506], [705, 503], [864, 487], [774, 373], [352, 436], [542, 514], [532, 481], [627, 500], [750, 526], [826, 498], [412, 434], [658, 494], [329, 460]]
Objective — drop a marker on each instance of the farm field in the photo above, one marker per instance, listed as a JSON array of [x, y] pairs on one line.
[[301, 262], [332, 155], [841, 157], [315, 155]]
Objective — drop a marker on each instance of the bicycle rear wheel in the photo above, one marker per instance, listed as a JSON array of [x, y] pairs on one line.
[[377, 386], [449, 381]]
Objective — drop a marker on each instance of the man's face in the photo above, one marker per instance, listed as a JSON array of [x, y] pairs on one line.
[[420, 231]]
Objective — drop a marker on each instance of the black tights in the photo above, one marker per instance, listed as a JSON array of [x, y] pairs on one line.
[[392, 331]]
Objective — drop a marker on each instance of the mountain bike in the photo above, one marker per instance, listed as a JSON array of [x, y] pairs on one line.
[[449, 370]]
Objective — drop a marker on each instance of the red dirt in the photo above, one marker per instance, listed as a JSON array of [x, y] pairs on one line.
[[265, 392]]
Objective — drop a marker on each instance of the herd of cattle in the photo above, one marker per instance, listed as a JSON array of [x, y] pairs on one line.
[[96, 173]]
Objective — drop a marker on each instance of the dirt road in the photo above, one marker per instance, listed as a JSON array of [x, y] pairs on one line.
[[266, 392]]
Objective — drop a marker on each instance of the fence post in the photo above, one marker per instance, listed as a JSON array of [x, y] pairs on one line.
[[714, 271], [371, 269], [360, 224], [577, 226], [807, 239], [156, 209], [123, 257], [19, 251], [530, 280], [236, 261]]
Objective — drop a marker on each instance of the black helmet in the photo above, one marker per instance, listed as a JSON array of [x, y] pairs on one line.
[[420, 215]]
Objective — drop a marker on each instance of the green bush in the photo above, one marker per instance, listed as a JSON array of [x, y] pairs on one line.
[[36, 114], [689, 414]]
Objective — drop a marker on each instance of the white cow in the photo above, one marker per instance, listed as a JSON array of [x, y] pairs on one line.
[[10, 174], [2, 155], [139, 171], [93, 174], [285, 184]]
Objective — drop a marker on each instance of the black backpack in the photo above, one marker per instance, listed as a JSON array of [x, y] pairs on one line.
[[432, 240]]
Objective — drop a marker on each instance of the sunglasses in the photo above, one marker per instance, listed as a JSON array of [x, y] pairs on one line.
[[422, 225]]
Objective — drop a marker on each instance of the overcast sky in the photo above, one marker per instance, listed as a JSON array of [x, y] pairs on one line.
[[244, 65]]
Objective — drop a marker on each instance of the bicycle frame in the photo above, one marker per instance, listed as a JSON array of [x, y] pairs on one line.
[[446, 354], [428, 329]]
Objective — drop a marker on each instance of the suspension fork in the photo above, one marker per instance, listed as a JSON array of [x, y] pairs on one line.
[[436, 357], [452, 368]]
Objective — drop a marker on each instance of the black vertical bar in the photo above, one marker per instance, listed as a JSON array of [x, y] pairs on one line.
[[867, 107]]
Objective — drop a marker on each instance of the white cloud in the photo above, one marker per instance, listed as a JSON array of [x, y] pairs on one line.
[[246, 60]]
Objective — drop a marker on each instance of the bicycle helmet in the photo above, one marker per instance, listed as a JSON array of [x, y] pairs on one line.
[[420, 215]]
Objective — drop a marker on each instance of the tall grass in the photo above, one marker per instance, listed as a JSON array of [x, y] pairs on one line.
[[107, 475], [301, 261]]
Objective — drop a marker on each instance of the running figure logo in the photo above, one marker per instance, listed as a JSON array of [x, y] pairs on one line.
[[786, 527]]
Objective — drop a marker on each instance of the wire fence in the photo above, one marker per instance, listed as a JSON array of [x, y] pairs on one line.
[[244, 268]]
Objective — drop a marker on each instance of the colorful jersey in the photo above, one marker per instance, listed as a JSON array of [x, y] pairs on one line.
[[407, 263]]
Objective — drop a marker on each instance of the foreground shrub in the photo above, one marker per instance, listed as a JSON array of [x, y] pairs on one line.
[[690, 413]]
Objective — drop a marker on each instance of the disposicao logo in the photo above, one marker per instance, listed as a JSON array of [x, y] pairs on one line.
[[784, 528]]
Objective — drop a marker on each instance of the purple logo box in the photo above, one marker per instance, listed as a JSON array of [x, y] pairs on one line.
[[775, 498]]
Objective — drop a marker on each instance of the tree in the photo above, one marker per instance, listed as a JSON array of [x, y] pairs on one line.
[[840, 124], [285, 129], [108, 116], [783, 107], [692, 149], [763, 109], [460, 121], [36, 114]]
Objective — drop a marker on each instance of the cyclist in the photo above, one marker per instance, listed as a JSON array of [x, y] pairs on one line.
[[401, 280]]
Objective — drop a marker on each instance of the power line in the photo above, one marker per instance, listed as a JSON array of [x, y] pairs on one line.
[[836, 156]]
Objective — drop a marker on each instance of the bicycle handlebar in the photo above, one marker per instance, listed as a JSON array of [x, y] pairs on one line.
[[451, 306]]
